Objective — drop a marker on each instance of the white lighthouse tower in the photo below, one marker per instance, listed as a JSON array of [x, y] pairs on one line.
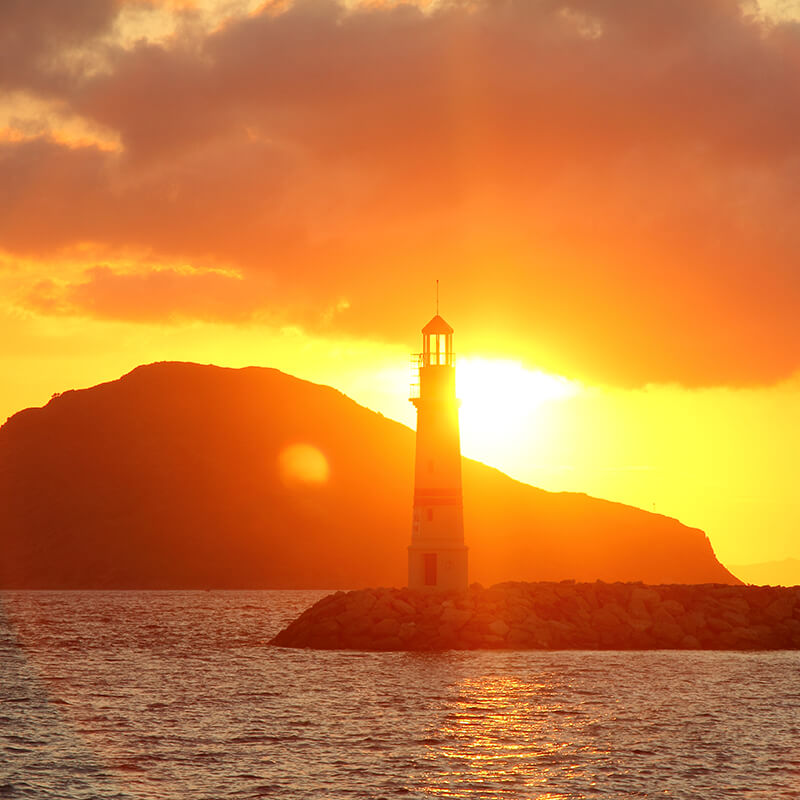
[[437, 556]]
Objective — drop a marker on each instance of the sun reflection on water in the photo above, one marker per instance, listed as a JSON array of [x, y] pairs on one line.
[[497, 740]]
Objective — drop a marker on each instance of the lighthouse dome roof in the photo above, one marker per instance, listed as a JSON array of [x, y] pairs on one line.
[[437, 325]]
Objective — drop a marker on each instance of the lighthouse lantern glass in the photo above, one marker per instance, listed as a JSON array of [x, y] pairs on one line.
[[437, 349]]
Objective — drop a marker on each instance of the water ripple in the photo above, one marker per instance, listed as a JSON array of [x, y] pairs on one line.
[[173, 695]]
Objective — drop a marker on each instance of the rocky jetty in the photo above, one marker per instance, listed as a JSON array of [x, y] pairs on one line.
[[553, 616]]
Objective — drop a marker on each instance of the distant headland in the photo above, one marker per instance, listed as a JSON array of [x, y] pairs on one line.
[[174, 477]]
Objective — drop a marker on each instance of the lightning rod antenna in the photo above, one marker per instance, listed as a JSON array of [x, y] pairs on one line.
[[437, 297]]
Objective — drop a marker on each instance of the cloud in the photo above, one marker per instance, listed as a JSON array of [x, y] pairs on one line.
[[609, 189], [41, 43], [153, 296]]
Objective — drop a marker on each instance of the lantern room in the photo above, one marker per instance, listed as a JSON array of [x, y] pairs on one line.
[[437, 344]]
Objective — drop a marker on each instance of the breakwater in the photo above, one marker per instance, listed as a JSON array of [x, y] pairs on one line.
[[553, 616]]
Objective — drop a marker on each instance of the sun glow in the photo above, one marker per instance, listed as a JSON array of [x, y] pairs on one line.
[[500, 399]]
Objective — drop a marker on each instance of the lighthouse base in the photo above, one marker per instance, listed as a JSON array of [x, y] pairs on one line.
[[437, 566]]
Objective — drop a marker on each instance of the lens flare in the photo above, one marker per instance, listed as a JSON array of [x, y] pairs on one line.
[[303, 464]]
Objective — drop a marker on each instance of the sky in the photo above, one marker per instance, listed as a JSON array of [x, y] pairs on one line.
[[607, 191]]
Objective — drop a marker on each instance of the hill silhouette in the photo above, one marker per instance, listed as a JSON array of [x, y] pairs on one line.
[[170, 477], [776, 573]]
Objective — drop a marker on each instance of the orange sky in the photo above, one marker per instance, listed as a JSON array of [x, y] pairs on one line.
[[608, 192]]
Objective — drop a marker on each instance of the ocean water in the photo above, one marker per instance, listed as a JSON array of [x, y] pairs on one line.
[[177, 695]]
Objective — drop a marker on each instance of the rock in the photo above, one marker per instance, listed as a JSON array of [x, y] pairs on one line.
[[759, 596], [389, 626], [406, 631], [354, 621], [662, 617], [667, 634], [638, 610], [735, 618], [780, 608], [532, 622], [360, 602], [674, 608], [471, 639], [402, 607], [745, 638], [565, 589], [455, 617], [718, 625], [328, 626], [646, 595], [382, 609], [519, 638], [604, 619], [692, 622], [546, 615], [482, 619], [738, 605], [387, 643], [448, 633], [519, 609], [499, 628], [360, 641]]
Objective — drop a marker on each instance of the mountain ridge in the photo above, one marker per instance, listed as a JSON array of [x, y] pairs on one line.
[[779, 572], [169, 477]]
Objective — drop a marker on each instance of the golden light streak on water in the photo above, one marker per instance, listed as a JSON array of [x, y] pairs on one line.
[[500, 732]]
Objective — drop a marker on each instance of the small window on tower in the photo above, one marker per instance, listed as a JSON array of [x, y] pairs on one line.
[[430, 515]]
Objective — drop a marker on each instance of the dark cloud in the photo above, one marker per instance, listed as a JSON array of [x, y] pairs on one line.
[[37, 37], [609, 187]]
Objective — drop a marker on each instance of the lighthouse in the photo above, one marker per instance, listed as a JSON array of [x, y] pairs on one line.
[[437, 556]]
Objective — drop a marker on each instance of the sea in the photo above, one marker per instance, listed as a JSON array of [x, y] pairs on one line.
[[179, 695]]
